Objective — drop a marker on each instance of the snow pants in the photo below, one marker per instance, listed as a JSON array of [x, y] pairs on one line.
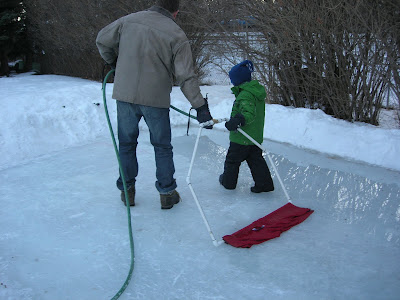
[[253, 156]]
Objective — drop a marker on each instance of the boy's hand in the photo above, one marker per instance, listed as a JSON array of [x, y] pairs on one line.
[[235, 122]]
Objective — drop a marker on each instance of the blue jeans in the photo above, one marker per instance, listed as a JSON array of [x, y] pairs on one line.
[[157, 120]]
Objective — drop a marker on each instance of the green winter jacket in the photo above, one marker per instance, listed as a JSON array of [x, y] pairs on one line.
[[250, 102]]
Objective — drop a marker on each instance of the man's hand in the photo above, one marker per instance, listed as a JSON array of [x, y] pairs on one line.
[[204, 115]]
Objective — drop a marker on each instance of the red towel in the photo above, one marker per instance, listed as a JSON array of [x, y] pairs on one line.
[[268, 227]]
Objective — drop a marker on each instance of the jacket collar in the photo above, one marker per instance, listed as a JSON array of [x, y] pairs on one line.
[[162, 11]]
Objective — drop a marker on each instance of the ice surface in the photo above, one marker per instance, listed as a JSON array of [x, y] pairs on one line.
[[64, 230]]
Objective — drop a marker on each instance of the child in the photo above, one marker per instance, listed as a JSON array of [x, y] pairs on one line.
[[248, 113]]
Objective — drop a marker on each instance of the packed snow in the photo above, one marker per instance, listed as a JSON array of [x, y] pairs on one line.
[[63, 227], [48, 113]]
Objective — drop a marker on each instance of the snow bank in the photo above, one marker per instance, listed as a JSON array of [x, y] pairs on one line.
[[47, 113], [313, 129]]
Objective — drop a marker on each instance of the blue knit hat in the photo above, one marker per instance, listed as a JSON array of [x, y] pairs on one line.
[[241, 72]]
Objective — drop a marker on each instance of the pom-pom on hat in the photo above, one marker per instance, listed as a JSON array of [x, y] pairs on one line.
[[241, 72]]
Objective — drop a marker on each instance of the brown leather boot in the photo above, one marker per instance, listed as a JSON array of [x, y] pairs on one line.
[[131, 196], [168, 200]]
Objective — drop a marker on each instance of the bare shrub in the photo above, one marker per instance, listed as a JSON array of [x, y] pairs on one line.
[[64, 32], [336, 55], [330, 54]]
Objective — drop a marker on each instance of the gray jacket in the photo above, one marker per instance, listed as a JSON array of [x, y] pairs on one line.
[[152, 51]]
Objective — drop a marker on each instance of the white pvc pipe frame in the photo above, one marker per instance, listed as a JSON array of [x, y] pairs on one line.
[[213, 122]]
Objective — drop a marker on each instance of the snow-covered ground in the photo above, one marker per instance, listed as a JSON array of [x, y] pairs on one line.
[[63, 228], [48, 113]]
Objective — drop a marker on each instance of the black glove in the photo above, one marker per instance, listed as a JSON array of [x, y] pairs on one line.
[[204, 115], [235, 122]]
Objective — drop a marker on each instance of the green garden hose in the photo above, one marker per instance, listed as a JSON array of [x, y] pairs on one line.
[[128, 278], [182, 112]]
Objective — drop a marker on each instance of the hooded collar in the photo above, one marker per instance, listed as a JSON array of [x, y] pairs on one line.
[[162, 11], [253, 87]]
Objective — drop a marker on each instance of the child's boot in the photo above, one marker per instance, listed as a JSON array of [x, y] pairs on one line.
[[261, 189], [228, 184]]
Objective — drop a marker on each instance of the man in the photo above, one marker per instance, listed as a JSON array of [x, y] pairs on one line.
[[149, 51]]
